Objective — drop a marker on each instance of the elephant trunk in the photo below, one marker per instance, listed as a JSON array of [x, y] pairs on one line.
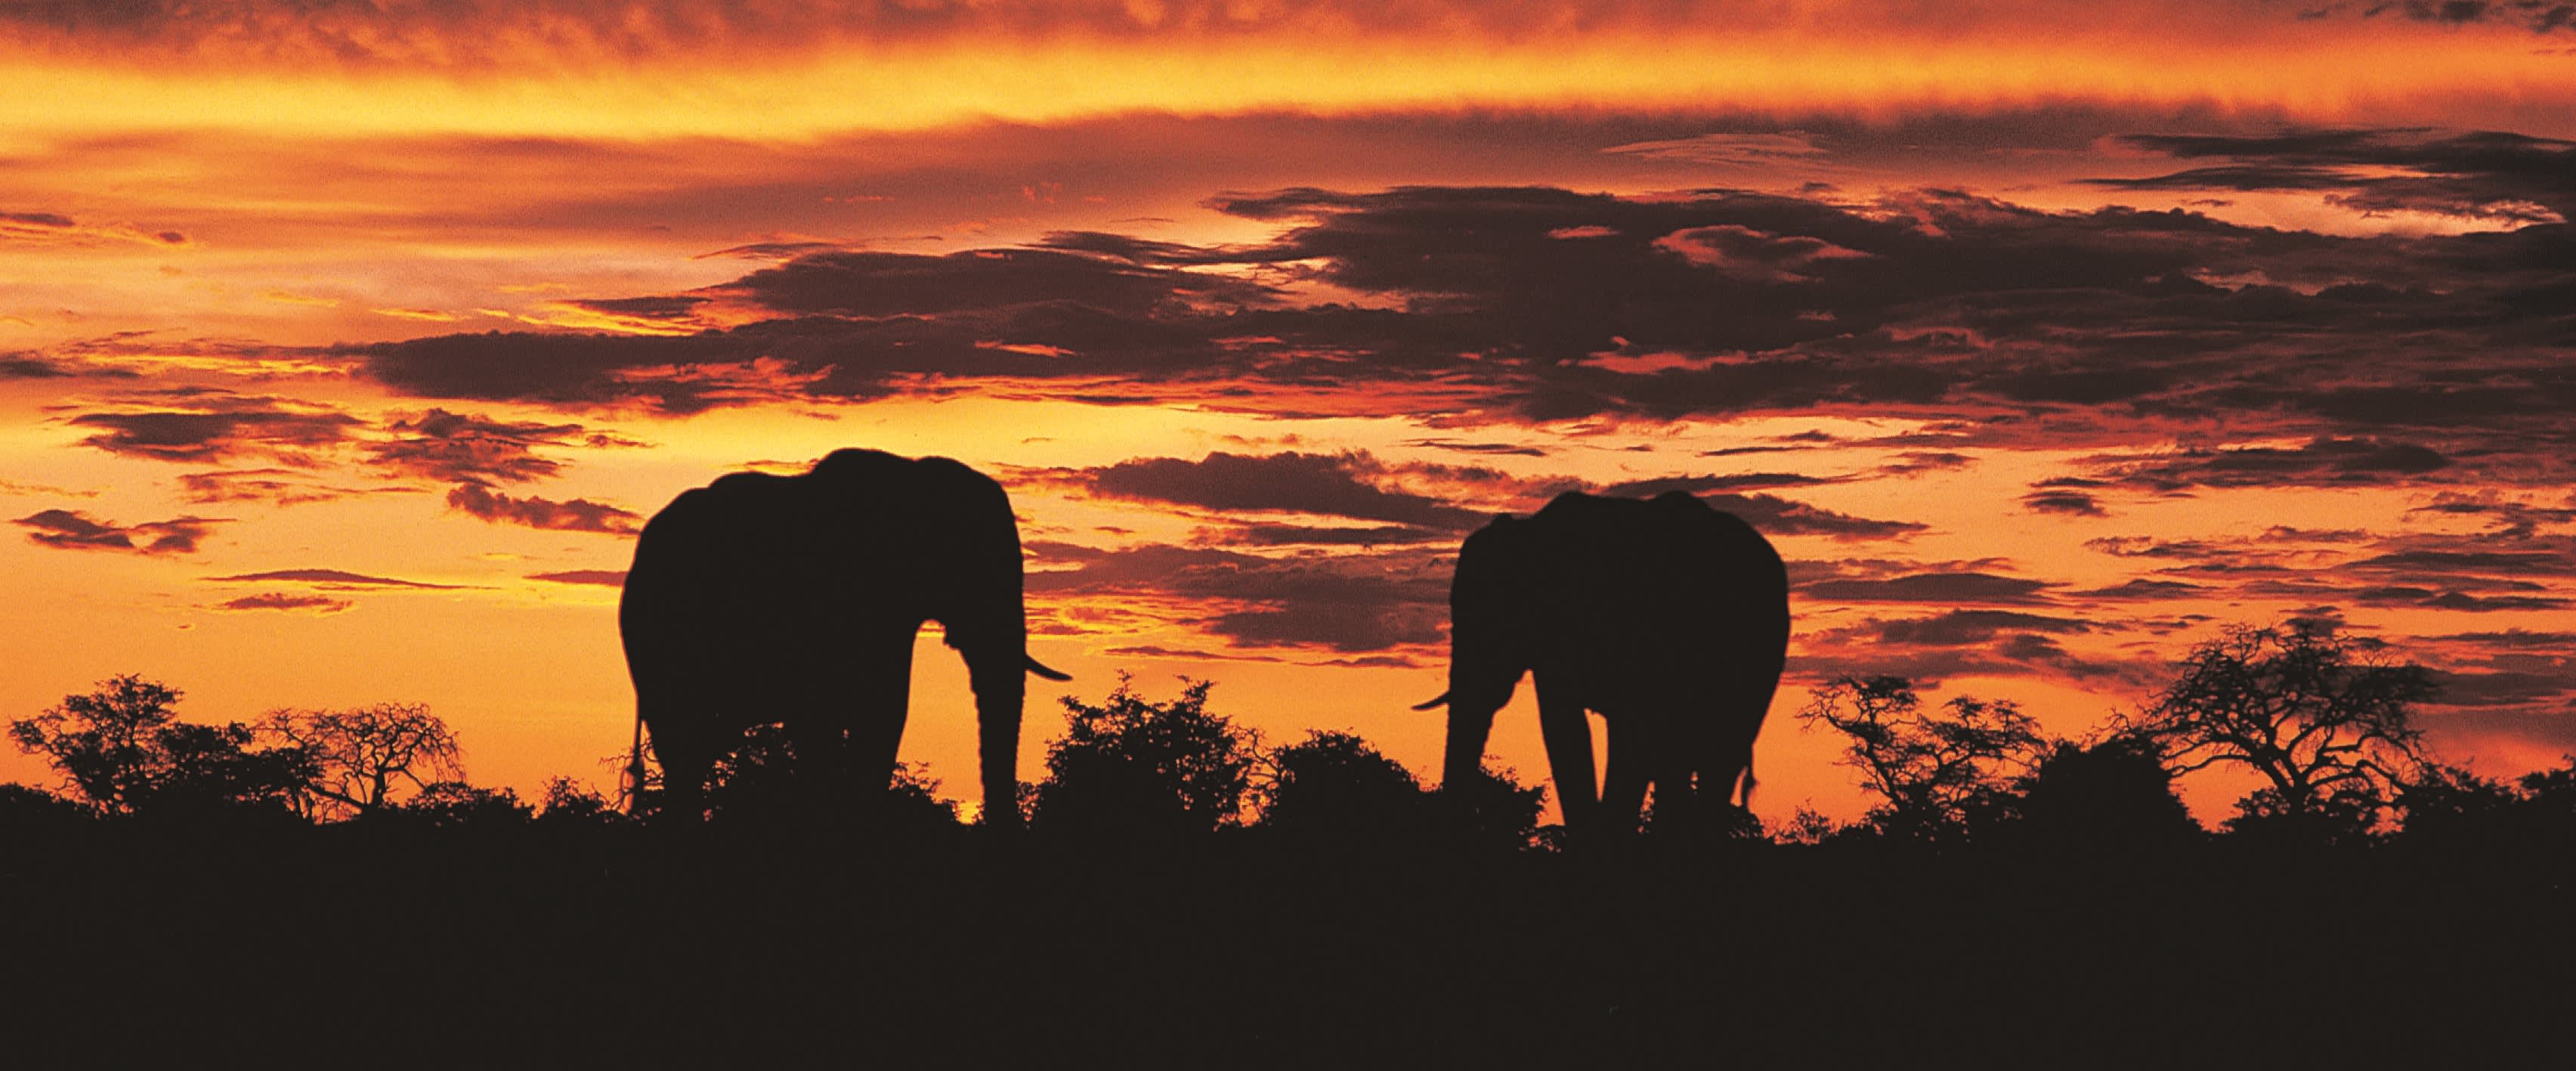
[[998, 676]]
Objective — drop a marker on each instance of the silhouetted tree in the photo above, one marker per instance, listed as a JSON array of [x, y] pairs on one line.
[[363, 756], [756, 779], [123, 749], [455, 804], [2449, 808], [1495, 810], [1130, 766], [26, 810], [913, 801], [2327, 726], [570, 802], [1335, 785], [2115, 795], [1931, 770]]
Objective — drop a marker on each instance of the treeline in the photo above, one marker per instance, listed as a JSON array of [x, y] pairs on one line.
[[2326, 720]]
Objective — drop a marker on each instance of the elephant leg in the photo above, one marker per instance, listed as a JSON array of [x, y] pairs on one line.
[[1569, 753], [1681, 805], [882, 703], [683, 742], [1623, 788]]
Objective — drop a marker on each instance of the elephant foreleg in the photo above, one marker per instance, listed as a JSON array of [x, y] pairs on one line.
[[1623, 788], [882, 704], [1568, 736]]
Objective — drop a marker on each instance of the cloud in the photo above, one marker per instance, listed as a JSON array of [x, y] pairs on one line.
[[285, 487], [2486, 175], [2062, 499], [1966, 627], [1772, 515], [2319, 462], [610, 578], [1752, 256], [54, 228], [2329, 360], [75, 530], [23, 366], [331, 580], [1348, 485], [578, 515], [227, 426], [1942, 587], [281, 601], [1339, 602], [456, 447]]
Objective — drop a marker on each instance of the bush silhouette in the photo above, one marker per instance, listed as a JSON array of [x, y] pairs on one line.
[[2112, 796], [1335, 786], [1130, 767]]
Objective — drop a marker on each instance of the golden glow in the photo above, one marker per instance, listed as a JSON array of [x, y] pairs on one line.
[[2322, 73]]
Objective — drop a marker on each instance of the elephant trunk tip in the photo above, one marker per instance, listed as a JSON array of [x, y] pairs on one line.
[[1440, 700], [1040, 669]]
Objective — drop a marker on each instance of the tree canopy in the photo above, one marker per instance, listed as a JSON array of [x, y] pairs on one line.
[[2327, 723]]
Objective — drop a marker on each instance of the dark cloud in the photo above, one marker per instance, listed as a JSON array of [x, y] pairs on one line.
[[607, 578], [1476, 447], [2509, 517], [1693, 485], [2481, 175], [74, 530], [455, 447], [233, 427], [1776, 516], [282, 601], [2114, 329], [285, 487], [1340, 602], [23, 366], [2319, 462], [2540, 16], [1185, 654], [578, 515], [2146, 589], [1967, 588], [1282, 535], [331, 580], [1333, 485], [2063, 500], [1959, 628]]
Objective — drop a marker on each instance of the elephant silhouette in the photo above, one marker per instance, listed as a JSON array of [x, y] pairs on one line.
[[795, 600], [1667, 617]]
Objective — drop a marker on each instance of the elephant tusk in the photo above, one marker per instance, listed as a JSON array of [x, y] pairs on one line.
[[1039, 668], [1443, 700]]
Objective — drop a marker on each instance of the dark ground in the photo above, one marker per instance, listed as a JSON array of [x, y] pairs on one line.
[[606, 947]]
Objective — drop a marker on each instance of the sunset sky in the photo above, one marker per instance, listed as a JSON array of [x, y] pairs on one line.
[[344, 345]]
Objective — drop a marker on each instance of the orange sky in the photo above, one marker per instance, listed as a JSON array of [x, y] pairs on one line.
[[328, 330]]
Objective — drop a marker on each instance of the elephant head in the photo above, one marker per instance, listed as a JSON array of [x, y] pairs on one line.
[[1666, 617], [1495, 628], [795, 599]]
